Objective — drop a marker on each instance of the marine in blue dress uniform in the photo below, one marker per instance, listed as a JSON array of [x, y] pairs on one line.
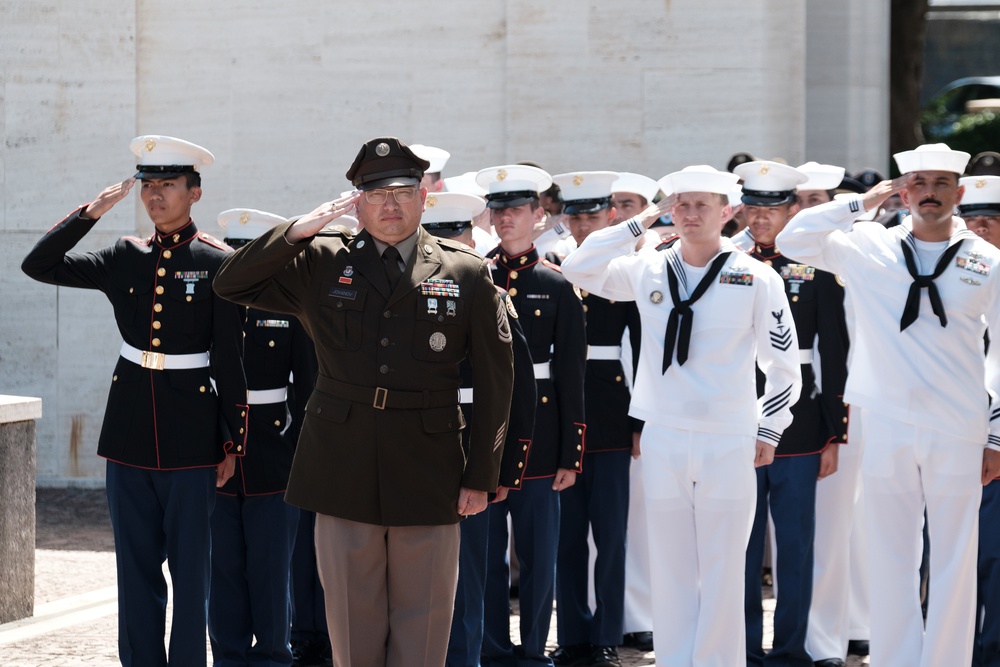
[[551, 316], [170, 434], [598, 503], [253, 528], [449, 215], [807, 450]]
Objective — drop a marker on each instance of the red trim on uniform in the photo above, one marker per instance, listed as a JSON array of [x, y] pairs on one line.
[[132, 465], [501, 262]]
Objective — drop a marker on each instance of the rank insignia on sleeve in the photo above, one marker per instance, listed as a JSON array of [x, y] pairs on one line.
[[511, 310], [503, 325], [744, 278], [781, 338]]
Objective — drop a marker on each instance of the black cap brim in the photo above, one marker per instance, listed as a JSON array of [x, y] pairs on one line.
[[755, 198], [501, 201], [973, 210], [394, 181], [585, 205], [152, 172]]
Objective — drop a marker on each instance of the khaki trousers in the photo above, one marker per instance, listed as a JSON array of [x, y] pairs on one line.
[[389, 591]]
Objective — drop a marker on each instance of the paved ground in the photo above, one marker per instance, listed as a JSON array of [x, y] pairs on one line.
[[75, 621]]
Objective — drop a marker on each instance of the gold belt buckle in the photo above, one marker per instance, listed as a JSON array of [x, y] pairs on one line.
[[381, 394], [153, 360]]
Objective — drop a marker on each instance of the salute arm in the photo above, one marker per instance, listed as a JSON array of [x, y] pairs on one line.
[[606, 263]]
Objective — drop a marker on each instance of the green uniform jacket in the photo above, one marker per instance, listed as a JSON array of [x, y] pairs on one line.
[[381, 440]]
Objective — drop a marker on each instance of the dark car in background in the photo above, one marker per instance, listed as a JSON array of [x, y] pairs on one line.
[[965, 114]]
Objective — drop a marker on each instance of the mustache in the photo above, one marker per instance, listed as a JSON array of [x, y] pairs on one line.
[[930, 200]]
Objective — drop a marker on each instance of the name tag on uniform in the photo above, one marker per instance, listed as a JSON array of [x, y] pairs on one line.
[[439, 287], [536, 296], [736, 278], [273, 324], [340, 292]]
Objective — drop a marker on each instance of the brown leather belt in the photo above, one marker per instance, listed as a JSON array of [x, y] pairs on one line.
[[381, 398]]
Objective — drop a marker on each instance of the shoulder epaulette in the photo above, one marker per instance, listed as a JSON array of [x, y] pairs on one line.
[[455, 245], [212, 241], [136, 240], [554, 267], [668, 242]]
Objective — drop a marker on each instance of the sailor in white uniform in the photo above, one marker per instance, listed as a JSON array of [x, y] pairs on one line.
[[708, 312], [923, 293]]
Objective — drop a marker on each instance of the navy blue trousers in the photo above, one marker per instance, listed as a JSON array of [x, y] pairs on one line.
[[598, 502], [159, 515], [788, 488], [466, 640], [986, 650], [308, 604], [534, 512], [252, 540]]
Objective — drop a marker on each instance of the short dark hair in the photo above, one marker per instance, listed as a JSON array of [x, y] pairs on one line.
[[193, 179]]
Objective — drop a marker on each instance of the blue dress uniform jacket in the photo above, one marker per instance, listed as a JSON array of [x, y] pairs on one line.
[[609, 428], [381, 440], [517, 445], [273, 351], [816, 301], [551, 316], [161, 291]]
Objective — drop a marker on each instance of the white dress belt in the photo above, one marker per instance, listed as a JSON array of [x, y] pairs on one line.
[[604, 352], [465, 395], [805, 356], [164, 362], [542, 371], [265, 396]]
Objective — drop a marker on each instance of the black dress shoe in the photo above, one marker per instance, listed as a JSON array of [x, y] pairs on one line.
[[640, 641], [857, 647], [306, 653], [577, 655], [829, 662], [605, 656]]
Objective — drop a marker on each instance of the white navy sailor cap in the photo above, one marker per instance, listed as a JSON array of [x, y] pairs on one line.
[[821, 176], [167, 157], [450, 213], [698, 178], [464, 183], [438, 157], [769, 183], [982, 196], [735, 196], [247, 223], [637, 184], [932, 157], [512, 185], [585, 191]]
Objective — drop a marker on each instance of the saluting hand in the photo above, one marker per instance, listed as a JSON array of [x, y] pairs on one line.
[[107, 198], [882, 191], [764, 455], [311, 223], [653, 212]]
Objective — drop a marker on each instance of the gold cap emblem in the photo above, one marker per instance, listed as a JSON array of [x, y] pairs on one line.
[[244, 218], [382, 149], [150, 145], [577, 180], [502, 175], [764, 169], [431, 201], [981, 183]]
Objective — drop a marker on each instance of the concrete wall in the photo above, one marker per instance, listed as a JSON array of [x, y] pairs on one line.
[[284, 94]]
